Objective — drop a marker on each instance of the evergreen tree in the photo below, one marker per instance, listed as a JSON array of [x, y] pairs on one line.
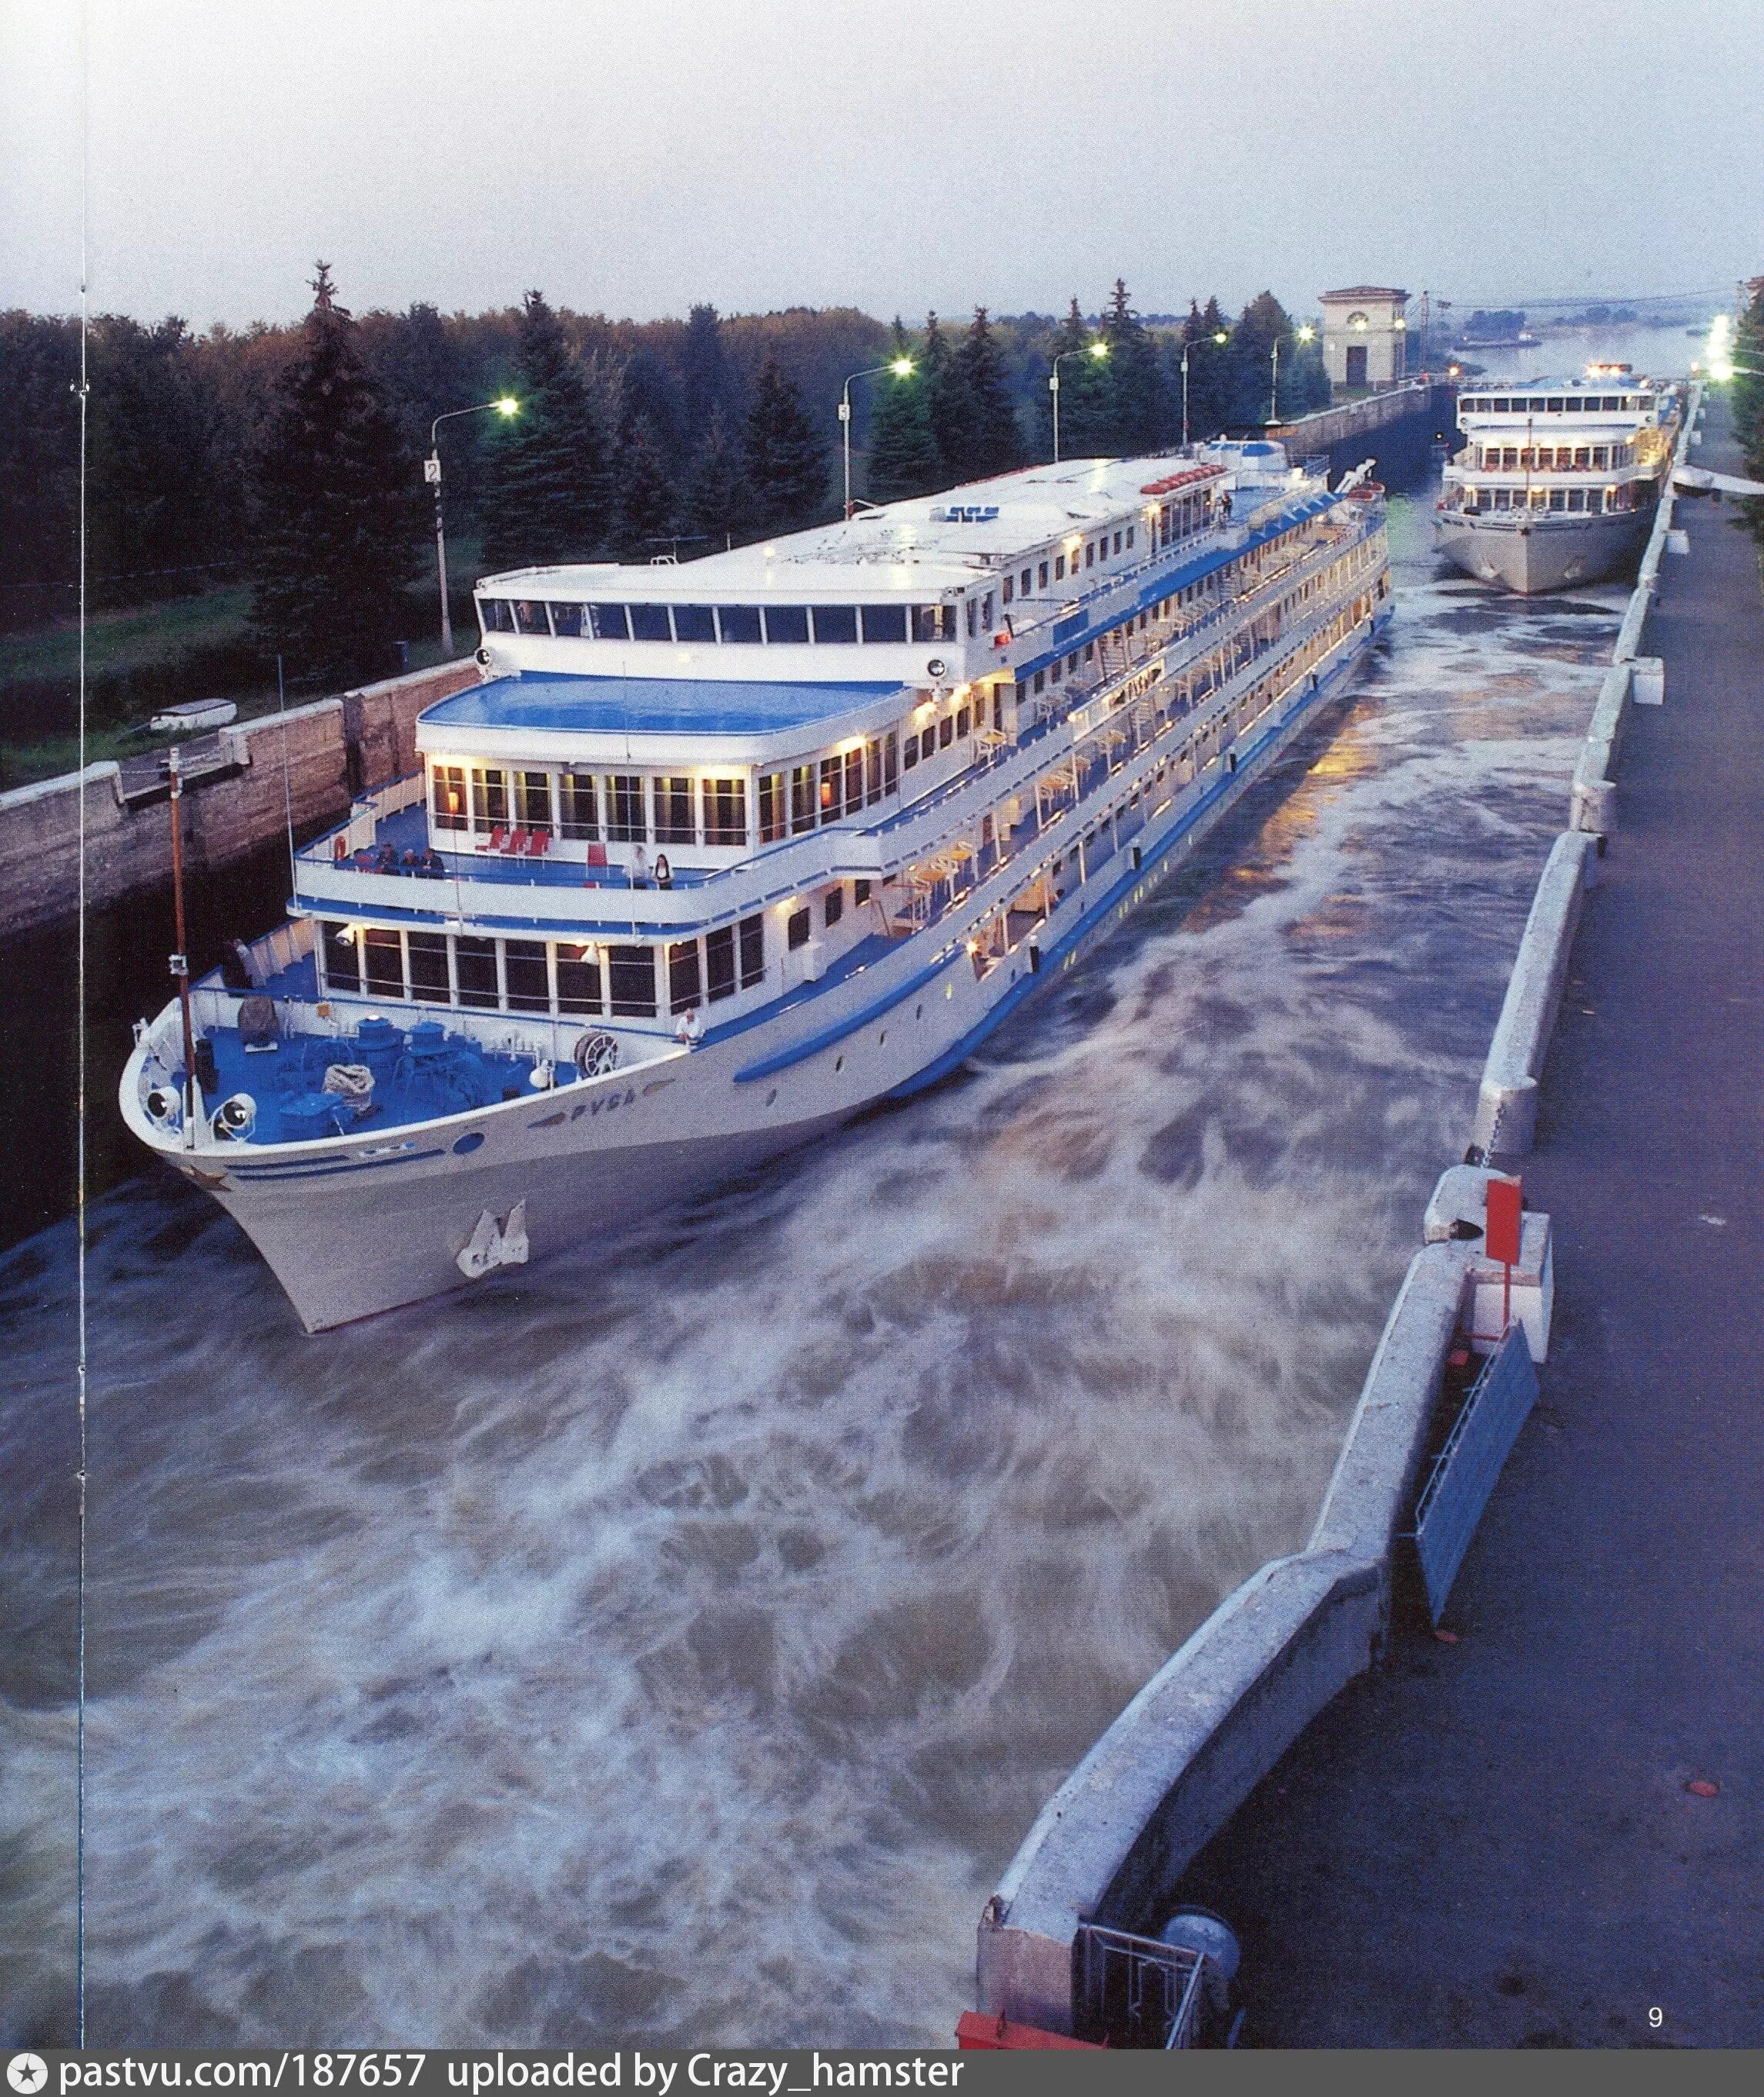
[[987, 440], [707, 385], [339, 521], [1207, 338], [717, 506], [786, 455], [902, 458], [153, 501], [946, 394], [1136, 386], [1251, 354], [1746, 397], [1085, 407], [644, 511], [549, 492]]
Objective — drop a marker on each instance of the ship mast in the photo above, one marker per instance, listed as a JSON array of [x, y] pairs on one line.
[[181, 959]]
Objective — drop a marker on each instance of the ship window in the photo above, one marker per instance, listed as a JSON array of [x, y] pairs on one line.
[[1558, 498], [930, 621], [1573, 405], [962, 717], [693, 622], [832, 772], [631, 974], [796, 931], [607, 622], [773, 818], [1022, 584], [1129, 537], [497, 614], [579, 980], [835, 623], [725, 811], [872, 773], [343, 963], [890, 776], [1009, 589], [1041, 681], [1059, 567], [1056, 670], [802, 798], [475, 960], [384, 963], [447, 797], [854, 780], [885, 622], [489, 796], [529, 989], [912, 756], [986, 611], [753, 950], [625, 823], [673, 812], [946, 731], [530, 616], [649, 622], [833, 909], [860, 891], [1553, 405], [428, 966], [928, 742], [787, 623], [577, 805], [1090, 552], [719, 964], [683, 990], [739, 623], [1041, 575], [533, 799], [566, 621]]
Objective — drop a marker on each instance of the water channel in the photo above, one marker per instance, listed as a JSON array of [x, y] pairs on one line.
[[671, 1646]]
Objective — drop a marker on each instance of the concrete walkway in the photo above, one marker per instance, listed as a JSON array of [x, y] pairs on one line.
[[1491, 1843]]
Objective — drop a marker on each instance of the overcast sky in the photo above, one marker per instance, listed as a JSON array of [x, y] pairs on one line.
[[633, 156]]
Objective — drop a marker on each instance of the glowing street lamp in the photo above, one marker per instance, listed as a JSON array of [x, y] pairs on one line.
[[1306, 334], [505, 406], [902, 367], [1097, 350]]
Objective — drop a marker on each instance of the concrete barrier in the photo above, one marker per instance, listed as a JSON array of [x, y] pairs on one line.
[[1592, 797], [1507, 1104], [313, 758], [1111, 1844]]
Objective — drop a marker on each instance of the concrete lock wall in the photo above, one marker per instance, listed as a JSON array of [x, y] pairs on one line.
[[1112, 1844], [313, 759]]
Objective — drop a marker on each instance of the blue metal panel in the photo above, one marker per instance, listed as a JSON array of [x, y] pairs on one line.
[[1465, 1470], [1069, 629]]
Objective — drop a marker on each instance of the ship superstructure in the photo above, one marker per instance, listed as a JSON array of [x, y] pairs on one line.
[[1558, 478], [717, 853]]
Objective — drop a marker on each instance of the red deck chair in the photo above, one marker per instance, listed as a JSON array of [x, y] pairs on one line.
[[517, 844], [539, 844], [497, 838], [596, 866]]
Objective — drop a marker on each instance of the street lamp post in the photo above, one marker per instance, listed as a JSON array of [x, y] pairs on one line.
[[1305, 335], [902, 367], [1099, 350], [504, 405], [1221, 338]]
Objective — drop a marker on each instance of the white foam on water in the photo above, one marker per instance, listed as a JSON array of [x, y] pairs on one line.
[[673, 1646]]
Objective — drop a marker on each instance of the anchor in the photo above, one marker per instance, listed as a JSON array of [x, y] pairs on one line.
[[493, 1243]]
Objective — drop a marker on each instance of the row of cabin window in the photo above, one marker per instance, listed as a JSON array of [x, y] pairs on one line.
[[1553, 458], [569, 978], [627, 807], [1574, 502], [800, 924], [1558, 404], [1053, 570], [775, 625], [823, 790]]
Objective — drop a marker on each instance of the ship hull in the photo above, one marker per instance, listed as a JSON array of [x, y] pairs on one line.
[[349, 1231], [1532, 555]]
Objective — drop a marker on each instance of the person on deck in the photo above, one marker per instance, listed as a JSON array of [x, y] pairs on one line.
[[640, 867], [690, 1031]]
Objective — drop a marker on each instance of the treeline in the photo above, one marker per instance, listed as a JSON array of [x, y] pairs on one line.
[[291, 457], [1746, 397]]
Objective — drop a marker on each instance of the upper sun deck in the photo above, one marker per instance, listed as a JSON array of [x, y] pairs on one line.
[[1627, 403]]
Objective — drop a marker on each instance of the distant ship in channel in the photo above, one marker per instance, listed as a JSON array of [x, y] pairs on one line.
[[1558, 479], [718, 853]]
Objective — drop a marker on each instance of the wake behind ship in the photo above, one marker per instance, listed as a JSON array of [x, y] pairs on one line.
[[718, 853]]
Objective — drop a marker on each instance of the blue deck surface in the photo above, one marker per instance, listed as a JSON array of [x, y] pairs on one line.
[[651, 705]]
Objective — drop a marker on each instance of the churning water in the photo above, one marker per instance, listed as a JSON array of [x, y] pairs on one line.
[[674, 1645]]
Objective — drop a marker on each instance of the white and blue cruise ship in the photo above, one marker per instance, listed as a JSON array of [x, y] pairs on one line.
[[717, 853]]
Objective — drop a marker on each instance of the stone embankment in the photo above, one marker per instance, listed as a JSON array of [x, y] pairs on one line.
[[1111, 1846], [310, 762]]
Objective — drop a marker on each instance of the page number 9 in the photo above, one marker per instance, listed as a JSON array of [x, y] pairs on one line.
[[1656, 2018]]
